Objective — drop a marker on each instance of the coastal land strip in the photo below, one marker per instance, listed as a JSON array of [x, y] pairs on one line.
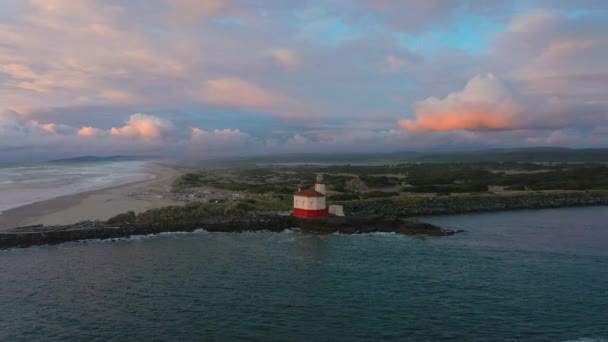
[[382, 198], [370, 217], [99, 204]]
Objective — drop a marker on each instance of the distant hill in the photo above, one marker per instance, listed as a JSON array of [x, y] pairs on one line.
[[333, 158], [96, 159], [528, 155]]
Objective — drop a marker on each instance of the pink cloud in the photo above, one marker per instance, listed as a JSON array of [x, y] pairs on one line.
[[236, 93], [145, 126], [188, 11], [565, 49], [18, 71], [239, 93], [121, 96], [448, 121], [89, 131], [286, 58], [396, 63], [49, 128], [484, 104], [57, 52]]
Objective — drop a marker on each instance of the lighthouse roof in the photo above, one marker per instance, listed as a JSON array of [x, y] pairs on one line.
[[309, 193]]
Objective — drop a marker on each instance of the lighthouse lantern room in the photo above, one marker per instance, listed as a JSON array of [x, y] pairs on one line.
[[311, 203]]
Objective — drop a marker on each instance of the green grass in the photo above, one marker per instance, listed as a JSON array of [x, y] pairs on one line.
[[195, 212]]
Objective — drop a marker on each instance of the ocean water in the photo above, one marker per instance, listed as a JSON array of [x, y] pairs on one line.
[[514, 276], [29, 183]]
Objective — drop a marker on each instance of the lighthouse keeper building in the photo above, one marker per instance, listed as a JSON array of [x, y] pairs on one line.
[[311, 203]]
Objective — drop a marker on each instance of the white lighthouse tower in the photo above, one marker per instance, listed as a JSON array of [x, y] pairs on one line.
[[320, 185]]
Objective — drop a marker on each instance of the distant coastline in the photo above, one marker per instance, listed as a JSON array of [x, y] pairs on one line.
[[99, 204], [98, 159]]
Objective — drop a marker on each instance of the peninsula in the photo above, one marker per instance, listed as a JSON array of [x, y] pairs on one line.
[[250, 195]]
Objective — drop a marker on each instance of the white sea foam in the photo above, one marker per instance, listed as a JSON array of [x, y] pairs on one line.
[[132, 238], [370, 234], [27, 184]]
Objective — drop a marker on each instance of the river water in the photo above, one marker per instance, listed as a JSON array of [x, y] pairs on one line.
[[537, 275]]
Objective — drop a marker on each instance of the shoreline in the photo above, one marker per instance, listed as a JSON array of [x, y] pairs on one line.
[[439, 206], [37, 235], [40, 234], [88, 230], [99, 204]]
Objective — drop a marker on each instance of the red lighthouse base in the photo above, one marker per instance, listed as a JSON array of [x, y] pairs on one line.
[[303, 213]]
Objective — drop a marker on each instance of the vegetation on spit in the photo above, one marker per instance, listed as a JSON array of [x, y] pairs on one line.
[[198, 211], [361, 182], [422, 188]]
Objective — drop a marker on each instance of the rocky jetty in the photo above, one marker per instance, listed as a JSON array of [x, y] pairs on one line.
[[441, 205], [42, 235]]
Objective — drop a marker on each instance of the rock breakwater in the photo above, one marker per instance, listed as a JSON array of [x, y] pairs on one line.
[[42, 235]]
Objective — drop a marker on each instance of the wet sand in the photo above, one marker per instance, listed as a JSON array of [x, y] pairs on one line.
[[99, 204]]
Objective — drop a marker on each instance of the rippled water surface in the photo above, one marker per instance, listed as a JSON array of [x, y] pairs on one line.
[[514, 276]]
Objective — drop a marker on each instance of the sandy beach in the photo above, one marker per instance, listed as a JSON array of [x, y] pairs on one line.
[[99, 204]]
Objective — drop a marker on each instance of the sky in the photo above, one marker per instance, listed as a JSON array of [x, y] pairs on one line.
[[197, 79]]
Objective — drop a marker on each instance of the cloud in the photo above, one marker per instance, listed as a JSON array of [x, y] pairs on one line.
[[19, 71], [121, 96], [396, 63], [222, 140], [555, 54], [145, 126], [485, 103], [565, 49], [49, 127], [299, 74], [188, 11], [13, 123], [298, 139], [199, 135], [240, 94], [19, 136], [89, 131], [233, 92], [57, 52], [286, 58]]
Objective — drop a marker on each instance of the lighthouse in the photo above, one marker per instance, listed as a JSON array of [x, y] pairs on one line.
[[311, 203]]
